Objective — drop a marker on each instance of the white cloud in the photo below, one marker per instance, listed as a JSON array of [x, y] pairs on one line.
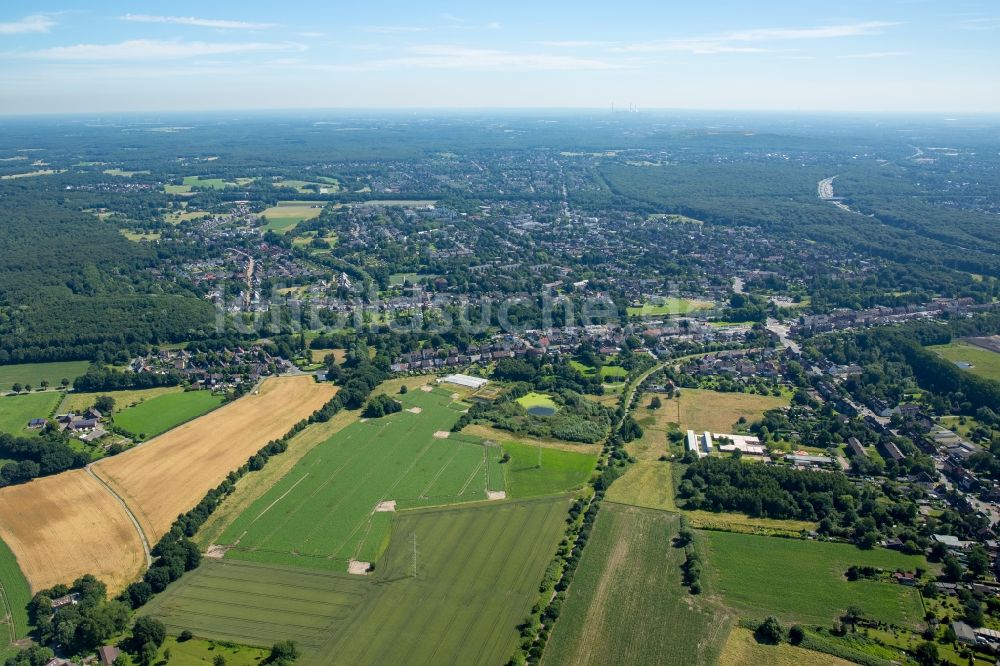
[[460, 57], [221, 24], [731, 42], [29, 24], [392, 29], [149, 49], [872, 55]]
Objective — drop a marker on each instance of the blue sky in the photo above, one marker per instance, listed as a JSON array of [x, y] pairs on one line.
[[851, 55]]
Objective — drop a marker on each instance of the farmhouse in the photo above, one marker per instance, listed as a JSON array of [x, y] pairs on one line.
[[464, 380]]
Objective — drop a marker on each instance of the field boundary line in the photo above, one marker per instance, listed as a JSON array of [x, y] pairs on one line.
[[283, 495], [128, 512], [9, 613]]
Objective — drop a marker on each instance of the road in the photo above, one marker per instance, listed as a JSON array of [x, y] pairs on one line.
[[781, 331], [128, 512]]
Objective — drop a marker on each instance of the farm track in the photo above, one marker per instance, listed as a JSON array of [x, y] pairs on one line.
[[128, 512]]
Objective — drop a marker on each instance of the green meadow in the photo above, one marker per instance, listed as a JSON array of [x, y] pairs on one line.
[[34, 373], [159, 414]]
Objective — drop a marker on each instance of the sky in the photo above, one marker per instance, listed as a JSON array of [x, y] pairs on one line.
[[72, 56]]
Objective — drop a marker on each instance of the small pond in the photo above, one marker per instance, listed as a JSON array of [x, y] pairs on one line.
[[541, 410]]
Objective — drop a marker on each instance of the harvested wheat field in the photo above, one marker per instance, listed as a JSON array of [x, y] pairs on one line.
[[171, 473], [60, 527]]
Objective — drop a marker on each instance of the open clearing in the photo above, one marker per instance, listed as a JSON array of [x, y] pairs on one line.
[[17, 410], [61, 527], [158, 415], [283, 217], [700, 409], [983, 362], [171, 473], [560, 470], [321, 514], [34, 373], [742, 648], [803, 581], [626, 604], [647, 484], [196, 652]]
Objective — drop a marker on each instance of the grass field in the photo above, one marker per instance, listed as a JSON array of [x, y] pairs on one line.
[[171, 473], [317, 355], [669, 306], [489, 558], [560, 471], [34, 373], [700, 410], [257, 604], [626, 604], [984, 362], [647, 483], [803, 581], [158, 415], [17, 410], [14, 597], [742, 648], [534, 400], [197, 652], [283, 217], [321, 513], [61, 527], [79, 402], [495, 434]]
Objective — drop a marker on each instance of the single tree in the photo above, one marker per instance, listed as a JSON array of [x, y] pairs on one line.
[[770, 631]]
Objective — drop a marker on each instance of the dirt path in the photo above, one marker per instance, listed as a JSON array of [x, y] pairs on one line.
[[128, 512]]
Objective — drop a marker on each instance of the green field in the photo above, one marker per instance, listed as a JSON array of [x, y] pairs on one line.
[[257, 604], [535, 399], [668, 306], [17, 410], [34, 373], [626, 604], [489, 557], [803, 581], [197, 652], [613, 371], [984, 362], [321, 514], [560, 471], [478, 570], [283, 217], [14, 597], [158, 415], [79, 402]]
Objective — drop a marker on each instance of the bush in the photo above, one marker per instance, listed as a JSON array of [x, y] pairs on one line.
[[796, 634], [770, 631]]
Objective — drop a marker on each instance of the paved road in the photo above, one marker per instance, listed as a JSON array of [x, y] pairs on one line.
[[781, 330]]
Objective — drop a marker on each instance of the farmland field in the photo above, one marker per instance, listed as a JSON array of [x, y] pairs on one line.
[[321, 514], [495, 434], [283, 217], [489, 558], [626, 604], [647, 483], [803, 581], [34, 373], [79, 402], [560, 471], [984, 362], [742, 648], [258, 604], [159, 414], [14, 597], [38, 520], [171, 473], [17, 410], [699, 409]]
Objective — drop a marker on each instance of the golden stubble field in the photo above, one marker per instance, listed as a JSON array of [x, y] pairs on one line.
[[63, 526], [60, 527], [171, 473]]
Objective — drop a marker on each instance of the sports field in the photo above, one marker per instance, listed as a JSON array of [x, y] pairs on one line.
[[700, 409], [14, 597], [626, 604], [489, 558], [257, 604], [976, 360], [61, 527], [283, 217], [560, 471], [322, 513], [157, 415], [34, 373], [803, 581], [17, 410], [171, 473]]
